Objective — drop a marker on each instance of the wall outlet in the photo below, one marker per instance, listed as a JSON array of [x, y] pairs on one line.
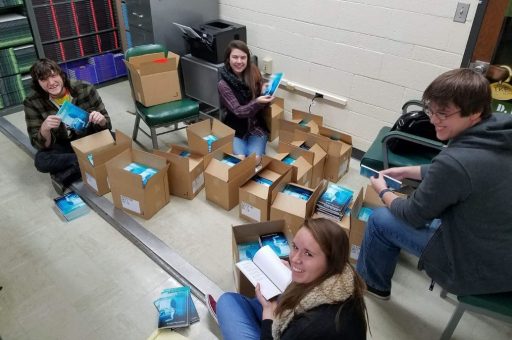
[[267, 65], [461, 12]]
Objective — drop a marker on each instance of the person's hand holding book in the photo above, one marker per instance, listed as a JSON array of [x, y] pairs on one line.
[[268, 306]]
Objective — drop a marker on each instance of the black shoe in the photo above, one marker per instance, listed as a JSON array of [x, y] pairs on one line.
[[379, 294], [59, 187]]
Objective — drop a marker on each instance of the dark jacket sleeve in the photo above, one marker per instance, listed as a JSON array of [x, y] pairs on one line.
[[266, 329], [444, 184], [232, 104]]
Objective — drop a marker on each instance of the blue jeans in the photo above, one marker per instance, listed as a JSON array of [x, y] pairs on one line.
[[239, 317], [384, 237], [249, 145]]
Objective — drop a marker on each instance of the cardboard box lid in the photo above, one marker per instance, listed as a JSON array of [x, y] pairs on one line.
[[250, 232], [225, 172], [145, 64], [318, 152], [335, 136], [370, 199], [101, 145], [188, 163], [294, 205], [298, 115], [312, 138]]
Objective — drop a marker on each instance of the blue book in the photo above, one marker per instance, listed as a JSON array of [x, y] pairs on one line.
[[185, 153], [193, 316], [273, 84], [390, 181], [278, 242], [289, 160], [262, 180], [73, 117], [364, 214], [304, 146], [337, 195], [302, 193], [247, 250], [230, 160], [140, 169], [303, 122], [71, 206], [173, 308], [210, 139]]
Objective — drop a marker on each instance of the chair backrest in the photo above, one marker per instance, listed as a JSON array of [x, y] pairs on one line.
[[144, 49]]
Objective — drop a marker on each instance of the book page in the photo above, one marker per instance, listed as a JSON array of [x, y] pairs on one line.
[[255, 276], [268, 261]]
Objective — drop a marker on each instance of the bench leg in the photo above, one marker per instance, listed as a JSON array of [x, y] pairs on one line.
[[136, 126], [452, 324], [153, 138]]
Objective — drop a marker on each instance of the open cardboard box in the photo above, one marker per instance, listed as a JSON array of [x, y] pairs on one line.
[[186, 174], [93, 152], [251, 233], [128, 191], [317, 146], [197, 131], [357, 227], [338, 153], [222, 182], [255, 198], [300, 121], [303, 165], [294, 211], [155, 78], [273, 114]]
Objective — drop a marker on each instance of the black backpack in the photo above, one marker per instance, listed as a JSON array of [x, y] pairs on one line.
[[415, 122]]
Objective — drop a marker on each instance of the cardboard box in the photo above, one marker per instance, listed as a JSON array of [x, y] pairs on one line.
[[357, 227], [251, 233], [222, 182], [303, 165], [255, 198], [93, 152], [155, 78], [185, 174], [310, 142], [128, 192], [338, 154], [273, 114], [294, 211], [197, 131], [300, 121]]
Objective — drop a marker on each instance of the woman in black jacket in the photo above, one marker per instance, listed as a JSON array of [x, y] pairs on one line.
[[323, 301]]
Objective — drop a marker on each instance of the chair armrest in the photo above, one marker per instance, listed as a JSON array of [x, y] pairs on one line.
[[408, 137]]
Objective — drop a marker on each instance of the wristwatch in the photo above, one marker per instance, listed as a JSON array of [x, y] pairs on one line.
[[383, 191]]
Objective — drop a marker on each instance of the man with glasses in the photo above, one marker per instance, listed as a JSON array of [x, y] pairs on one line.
[[459, 220]]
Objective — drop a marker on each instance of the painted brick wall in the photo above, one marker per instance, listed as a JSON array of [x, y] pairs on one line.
[[375, 53]]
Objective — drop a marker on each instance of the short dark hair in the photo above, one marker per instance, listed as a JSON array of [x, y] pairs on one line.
[[42, 69], [465, 88]]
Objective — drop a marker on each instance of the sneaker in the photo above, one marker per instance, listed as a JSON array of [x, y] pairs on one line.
[[379, 294], [212, 306], [58, 186]]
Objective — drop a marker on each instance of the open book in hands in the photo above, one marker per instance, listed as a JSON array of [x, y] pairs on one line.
[[267, 269]]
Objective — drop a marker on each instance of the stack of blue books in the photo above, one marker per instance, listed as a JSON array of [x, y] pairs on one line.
[[71, 206], [140, 169], [296, 191], [334, 202], [176, 308], [230, 160], [262, 180]]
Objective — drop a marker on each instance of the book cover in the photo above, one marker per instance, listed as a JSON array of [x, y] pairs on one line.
[[364, 214], [140, 169], [336, 196], [73, 117], [304, 146], [71, 206], [173, 307], [262, 180], [184, 153], [295, 191], [273, 84], [210, 139], [230, 160], [288, 160], [390, 181], [247, 250], [278, 242], [266, 269]]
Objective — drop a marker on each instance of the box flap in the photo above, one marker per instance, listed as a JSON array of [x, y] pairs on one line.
[[221, 130], [157, 66], [311, 138], [356, 205], [300, 115], [137, 60], [92, 142], [225, 172], [335, 135]]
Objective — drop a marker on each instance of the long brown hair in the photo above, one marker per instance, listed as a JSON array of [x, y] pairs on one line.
[[335, 245], [251, 75]]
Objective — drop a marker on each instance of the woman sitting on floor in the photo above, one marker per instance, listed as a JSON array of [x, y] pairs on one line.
[[323, 301]]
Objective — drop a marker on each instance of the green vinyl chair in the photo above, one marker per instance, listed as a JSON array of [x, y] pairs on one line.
[[498, 306], [161, 115]]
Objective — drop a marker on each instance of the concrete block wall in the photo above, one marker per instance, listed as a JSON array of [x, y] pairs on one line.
[[375, 53]]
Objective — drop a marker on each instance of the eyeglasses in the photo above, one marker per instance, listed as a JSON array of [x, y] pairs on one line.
[[439, 115]]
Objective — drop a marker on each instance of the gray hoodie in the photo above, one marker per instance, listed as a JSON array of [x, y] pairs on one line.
[[469, 187]]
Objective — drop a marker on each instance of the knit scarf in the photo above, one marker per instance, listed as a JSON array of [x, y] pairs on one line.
[[240, 89], [334, 289]]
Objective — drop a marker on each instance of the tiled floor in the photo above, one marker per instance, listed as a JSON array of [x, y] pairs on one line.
[[83, 280]]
